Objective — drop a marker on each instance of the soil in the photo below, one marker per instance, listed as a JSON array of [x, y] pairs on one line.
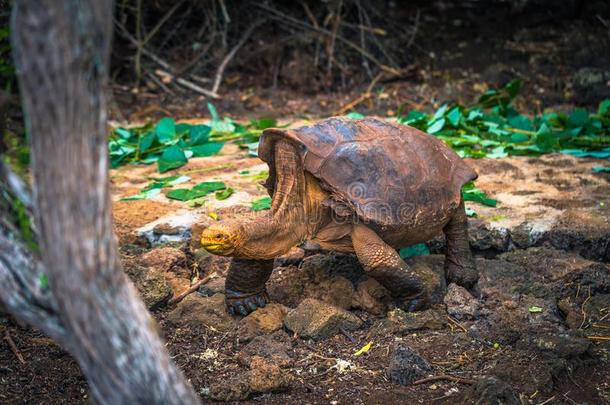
[[547, 246]]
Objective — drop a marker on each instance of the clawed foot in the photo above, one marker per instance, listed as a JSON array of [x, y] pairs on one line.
[[240, 303], [463, 276]]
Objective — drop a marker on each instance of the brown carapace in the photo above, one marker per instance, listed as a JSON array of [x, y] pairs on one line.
[[364, 186]]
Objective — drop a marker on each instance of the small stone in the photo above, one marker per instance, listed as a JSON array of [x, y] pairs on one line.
[[214, 286], [271, 347], [433, 319], [266, 377], [492, 390], [316, 319], [337, 291], [175, 227], [371, 297], [236, 388], [287, 285], [460, 303], [406, 366], [563, 344], [263, 321], [195, 310], [164, 259], [151, 284]]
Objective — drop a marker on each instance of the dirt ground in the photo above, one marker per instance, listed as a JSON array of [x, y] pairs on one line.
[[536, 328]]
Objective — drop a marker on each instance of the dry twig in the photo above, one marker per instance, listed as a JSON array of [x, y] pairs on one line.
[[191, 289], [231, 54], [445, 377], [13, 347]]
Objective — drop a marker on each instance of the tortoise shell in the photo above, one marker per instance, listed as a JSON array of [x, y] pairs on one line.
[[388, 174]]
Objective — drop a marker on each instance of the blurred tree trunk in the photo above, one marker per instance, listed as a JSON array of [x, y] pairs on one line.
[[61, 50]]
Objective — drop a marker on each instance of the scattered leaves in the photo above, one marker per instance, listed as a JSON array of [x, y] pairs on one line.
[[493, 128]]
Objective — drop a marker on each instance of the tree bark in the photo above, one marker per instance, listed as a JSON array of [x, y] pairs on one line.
[[61, 50]]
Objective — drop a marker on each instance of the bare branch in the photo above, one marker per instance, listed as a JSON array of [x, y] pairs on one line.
[[231, 54]]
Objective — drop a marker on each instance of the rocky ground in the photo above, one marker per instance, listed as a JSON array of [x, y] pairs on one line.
[[536, 328]]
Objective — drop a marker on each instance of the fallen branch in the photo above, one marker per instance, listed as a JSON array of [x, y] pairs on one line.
[[231, 54], [456, 323], [191, 289], [13, 347], [445, 377], [185, 83]]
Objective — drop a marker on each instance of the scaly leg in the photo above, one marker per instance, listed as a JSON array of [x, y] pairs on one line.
[[383, 263], [459, 264], [245, 285]]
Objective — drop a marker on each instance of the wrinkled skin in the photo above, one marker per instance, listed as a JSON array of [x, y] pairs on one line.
[[306, 208]]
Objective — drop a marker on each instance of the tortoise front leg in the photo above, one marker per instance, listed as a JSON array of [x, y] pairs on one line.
[[460, 267], [245, 285], [383, 263]]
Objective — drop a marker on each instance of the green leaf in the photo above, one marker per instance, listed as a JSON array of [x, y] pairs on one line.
[[353, 115], [263, 123], [521, 122], [414, 250], [199, 134], [165, 130], [144, 195], [198, 191], [471, 193], [546, 140], [578, 118], [604, 107], [209, 186], [513, 88], [454, 116], [213, 112], [181, 194], [436, 126], [497, 153], [440, 112], [123, 133], [171, 158], [43, 281], [535, 310], [414, 118], [208, 149], [600, 154], [147, 140], [261, 204], [224, 194]]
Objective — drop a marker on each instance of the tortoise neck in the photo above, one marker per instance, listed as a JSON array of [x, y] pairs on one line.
[[296, 218], [271, 236]]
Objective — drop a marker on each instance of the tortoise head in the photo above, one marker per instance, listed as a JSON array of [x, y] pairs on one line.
[[223, 238]]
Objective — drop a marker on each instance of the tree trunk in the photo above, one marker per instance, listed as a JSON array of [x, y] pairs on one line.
[[61, 50]]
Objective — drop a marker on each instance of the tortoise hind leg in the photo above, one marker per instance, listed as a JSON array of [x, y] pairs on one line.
[[245, 285], [460, 267], [383, 263]]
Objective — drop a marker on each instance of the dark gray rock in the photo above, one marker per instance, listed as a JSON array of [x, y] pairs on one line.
[[460, 303], [493, 391], [406, 366]]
